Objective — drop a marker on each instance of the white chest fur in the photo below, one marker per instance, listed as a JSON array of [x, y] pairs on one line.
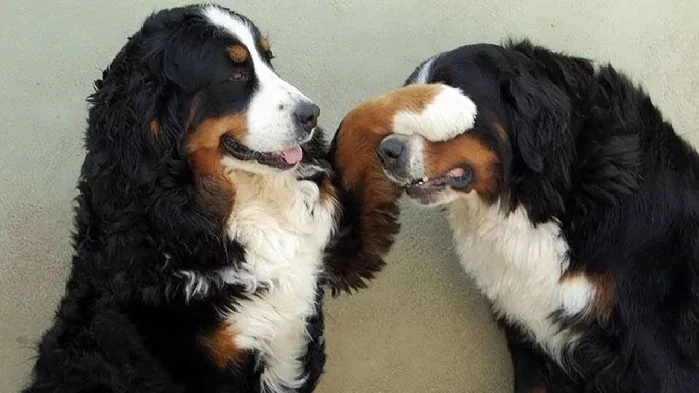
[[284, 228], [519, 268]]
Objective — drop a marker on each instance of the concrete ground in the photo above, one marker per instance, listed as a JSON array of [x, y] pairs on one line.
[[421, 327]]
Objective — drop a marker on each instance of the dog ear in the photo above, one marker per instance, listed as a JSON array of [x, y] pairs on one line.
[[188, 61], [369, 221], [179, 64], [542, 141], [540, 118]]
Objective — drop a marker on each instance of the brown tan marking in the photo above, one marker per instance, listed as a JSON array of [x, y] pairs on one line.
[[441, 157], [500, 133], [361, 133], [328, 193], [360, 172], [238, 53], [154, 126], [209, 133], [220, 345], [216, 192], [602, 304], [368, 123], [537, 389], [264, 44]]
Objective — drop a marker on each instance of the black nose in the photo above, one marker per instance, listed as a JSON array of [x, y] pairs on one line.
[[390, 150], [306, 114]]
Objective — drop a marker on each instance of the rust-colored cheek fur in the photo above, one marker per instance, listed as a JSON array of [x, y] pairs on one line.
[[215, 192], [441, 157], [362, 172], [371, 207]]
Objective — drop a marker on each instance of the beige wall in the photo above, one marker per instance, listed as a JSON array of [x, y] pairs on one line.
[[422, 327]]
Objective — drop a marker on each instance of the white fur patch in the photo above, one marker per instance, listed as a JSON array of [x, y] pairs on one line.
[[270, 113], [518, 267], [423, 74], [284, 229], [449, 114], [575, 294]]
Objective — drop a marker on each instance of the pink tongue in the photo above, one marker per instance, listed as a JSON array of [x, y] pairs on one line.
[[293, 155], [456, 172]]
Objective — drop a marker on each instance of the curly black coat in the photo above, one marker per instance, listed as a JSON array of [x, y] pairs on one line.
[[126, 322], [584, 148]]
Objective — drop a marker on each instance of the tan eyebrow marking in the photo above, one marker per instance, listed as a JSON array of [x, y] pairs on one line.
[[264, 43], [238, 53]]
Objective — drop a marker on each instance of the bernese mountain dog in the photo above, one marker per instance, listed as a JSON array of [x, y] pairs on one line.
[[208, 222], [574, 207]]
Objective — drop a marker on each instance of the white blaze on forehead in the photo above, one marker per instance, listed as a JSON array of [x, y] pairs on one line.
[[270, 113], [242, 31], [449, 114]]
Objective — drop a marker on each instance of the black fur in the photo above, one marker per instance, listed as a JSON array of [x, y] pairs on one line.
[[125, 324], [590, 150]]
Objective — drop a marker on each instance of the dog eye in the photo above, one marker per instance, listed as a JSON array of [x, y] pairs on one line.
[[240, 76]]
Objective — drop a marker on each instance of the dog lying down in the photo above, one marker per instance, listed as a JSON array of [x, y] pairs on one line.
[[574, 206]]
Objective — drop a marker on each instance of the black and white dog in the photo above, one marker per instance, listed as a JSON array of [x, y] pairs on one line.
[[208, 222], [574, 206]]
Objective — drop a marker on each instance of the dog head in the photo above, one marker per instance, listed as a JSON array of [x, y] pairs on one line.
[[191, 97], [255, 120], [482, 120]]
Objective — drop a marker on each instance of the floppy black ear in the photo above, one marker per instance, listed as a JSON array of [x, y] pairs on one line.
[[171, 52], [179, 64], [540, 119], [542, 141]]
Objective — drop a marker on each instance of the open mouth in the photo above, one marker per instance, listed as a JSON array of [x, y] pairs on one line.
[[283, 159], [457, 178]]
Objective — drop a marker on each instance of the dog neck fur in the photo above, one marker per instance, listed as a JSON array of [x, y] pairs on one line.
[[519, 266], [284, 228]]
